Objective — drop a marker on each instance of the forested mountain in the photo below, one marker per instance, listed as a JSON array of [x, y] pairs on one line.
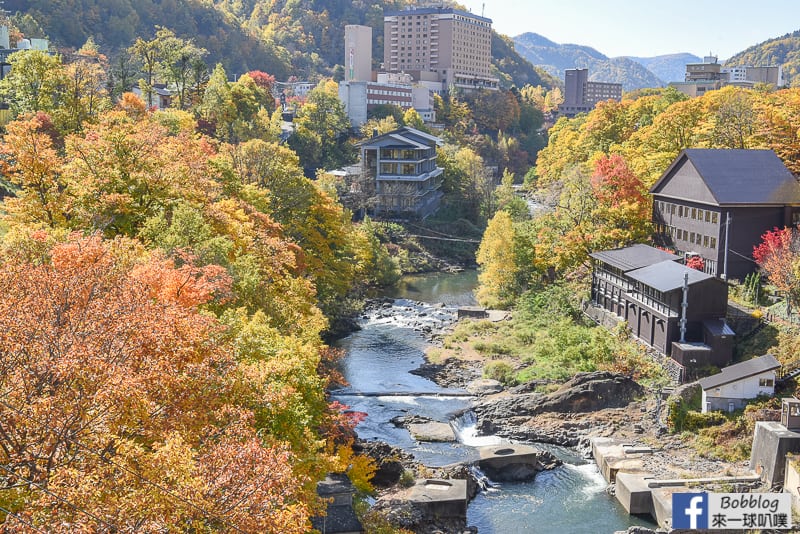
[[783, 50], [304, 38], [669, 67], [555, 58]]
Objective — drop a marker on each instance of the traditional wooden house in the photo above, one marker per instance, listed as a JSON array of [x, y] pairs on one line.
[[407, 179], [718, 203], [731, 388], [645, 287]]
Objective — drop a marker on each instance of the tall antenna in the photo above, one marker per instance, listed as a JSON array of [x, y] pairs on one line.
[[483, 8]]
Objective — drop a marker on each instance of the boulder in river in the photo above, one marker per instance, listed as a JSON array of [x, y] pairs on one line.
[[515, 462]]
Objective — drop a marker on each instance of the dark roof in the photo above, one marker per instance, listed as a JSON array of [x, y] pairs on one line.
[[736, 176], [667, 276], [633, 257], [334, 484], [402, 138], [732, 373], [718, 327], [339, 519]]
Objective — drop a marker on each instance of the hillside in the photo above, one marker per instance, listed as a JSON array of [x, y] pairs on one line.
[[304, 38], [556, 58], [783, 51], [669, 67]]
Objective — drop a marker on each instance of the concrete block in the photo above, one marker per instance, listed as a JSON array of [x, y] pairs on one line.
[[771, 443], [634, 494], [440, 499]]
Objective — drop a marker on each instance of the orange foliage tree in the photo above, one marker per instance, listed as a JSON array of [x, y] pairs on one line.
[[122, 405]]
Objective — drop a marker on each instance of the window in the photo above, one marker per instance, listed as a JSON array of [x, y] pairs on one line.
[[691, 237], [713, 242], [708, 216], [766, 382], [680, 211], [714, 217], [705, 241], [694, 213]]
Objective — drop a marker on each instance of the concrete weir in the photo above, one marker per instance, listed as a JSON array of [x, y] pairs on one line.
[[440, 499], [613, 456], [510, 462]]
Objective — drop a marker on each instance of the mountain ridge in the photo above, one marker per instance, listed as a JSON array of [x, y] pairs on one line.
[[631, 71]]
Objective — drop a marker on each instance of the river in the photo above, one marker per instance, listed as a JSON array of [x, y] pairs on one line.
[[569, 499]]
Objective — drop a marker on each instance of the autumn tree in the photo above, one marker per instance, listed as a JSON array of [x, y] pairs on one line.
[[33, 83], [778, 255], [498, 269], [320, 138], [120, 400]]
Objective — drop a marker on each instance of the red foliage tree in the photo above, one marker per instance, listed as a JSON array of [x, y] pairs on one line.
[[696, 262], [778, 255]]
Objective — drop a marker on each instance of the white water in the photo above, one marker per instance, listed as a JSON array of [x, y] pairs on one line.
[[466, 431]]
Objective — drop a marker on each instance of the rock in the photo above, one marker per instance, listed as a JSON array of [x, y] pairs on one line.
[[390, 461], [586, 392], [638, 530], [433, 431], [484, 386]]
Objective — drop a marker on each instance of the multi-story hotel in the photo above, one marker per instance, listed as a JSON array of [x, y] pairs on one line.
[[581, 95], [453, 45]]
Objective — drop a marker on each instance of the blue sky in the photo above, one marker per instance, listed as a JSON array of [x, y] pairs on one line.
[[646, 27]]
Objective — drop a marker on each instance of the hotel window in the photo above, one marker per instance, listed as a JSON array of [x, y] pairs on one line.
[[691, 237], [713, 242], [714, 218], [694, 213], [705, 241], [708, 216], [680, 211]]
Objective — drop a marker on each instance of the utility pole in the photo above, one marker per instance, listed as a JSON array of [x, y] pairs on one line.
[[684, 306], [727, 235]]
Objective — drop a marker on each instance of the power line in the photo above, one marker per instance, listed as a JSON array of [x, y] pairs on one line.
[[444, 238], [139, 476], [23, 521]]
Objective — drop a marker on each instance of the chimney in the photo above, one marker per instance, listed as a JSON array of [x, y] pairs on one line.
[[374, 133]]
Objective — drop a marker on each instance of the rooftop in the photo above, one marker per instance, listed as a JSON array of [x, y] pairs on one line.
[[667, 276], [736, 176], [732, 373], [436, 11], [633, 257]]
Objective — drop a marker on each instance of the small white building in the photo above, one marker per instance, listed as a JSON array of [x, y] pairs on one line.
[[729, 389]]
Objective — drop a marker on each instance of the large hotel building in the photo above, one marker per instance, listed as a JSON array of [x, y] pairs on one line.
[[440, 44]]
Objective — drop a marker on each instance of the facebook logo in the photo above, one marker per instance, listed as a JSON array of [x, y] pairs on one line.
[[690, 510]]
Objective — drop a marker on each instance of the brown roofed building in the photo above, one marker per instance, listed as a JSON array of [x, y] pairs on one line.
[[703, 187], [644, 287]]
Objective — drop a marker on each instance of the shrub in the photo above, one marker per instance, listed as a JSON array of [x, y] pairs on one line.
[[501, 371], [407, 478]]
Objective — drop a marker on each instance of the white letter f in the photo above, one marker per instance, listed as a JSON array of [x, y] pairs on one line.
[[693, 511]]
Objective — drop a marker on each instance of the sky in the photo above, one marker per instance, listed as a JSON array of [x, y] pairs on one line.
[[646, 28]]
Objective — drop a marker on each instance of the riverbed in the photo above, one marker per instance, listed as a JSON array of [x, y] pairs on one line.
[[379, 358]]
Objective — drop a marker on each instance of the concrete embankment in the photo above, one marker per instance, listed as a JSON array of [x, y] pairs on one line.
[[639, 491]]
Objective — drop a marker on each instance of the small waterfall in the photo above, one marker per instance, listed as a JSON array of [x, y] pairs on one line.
[[465, 428], [483, 482]]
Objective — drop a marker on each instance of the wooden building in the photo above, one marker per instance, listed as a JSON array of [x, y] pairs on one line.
[[407, 179], [704, 188], [644, 286]]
